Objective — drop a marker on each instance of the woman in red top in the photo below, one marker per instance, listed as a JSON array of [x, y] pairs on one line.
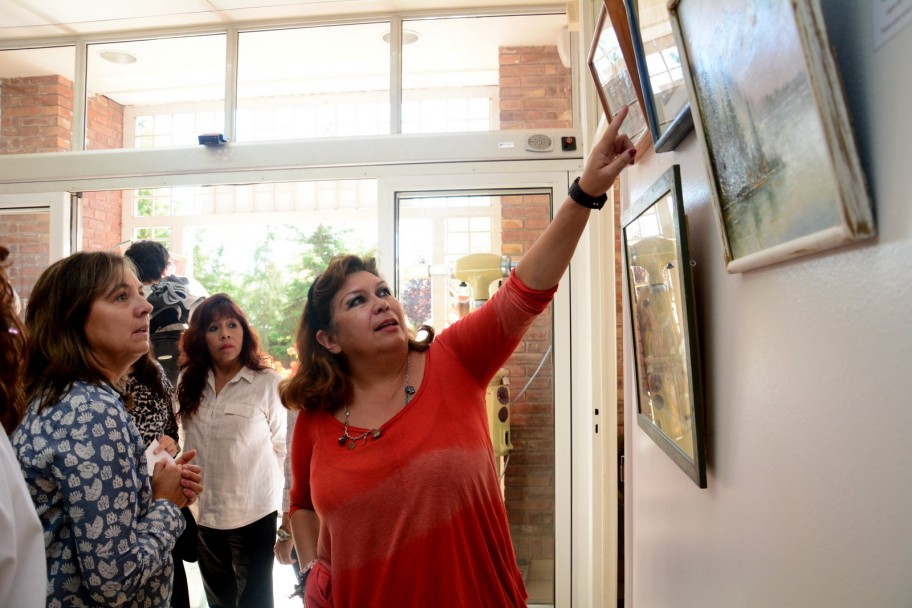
[[395, 499]]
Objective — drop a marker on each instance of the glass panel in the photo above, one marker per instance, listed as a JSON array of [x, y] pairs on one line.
[[313, 82], [26, 233], [262, 243], [36, 100], [434, 234], [510, 76], [133, 88]]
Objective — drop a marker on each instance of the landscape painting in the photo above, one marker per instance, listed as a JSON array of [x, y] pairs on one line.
[[774, 129]]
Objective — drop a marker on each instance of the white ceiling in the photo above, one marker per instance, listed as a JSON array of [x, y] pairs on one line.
[[191, 68], [51, 18]]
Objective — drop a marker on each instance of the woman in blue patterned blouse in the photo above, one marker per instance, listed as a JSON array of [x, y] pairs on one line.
[[109, 526]]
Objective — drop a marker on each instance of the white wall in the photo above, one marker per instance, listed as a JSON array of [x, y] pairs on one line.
[[808, 378]]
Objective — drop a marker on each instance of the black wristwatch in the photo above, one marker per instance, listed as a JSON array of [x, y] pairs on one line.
[[581, 198]]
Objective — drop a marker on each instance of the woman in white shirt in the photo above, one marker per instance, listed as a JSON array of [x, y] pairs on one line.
[[231, 414]]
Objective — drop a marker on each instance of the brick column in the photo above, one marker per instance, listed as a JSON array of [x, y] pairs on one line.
[[535, 92]]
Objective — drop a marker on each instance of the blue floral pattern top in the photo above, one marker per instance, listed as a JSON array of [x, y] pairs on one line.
[[107, 542]]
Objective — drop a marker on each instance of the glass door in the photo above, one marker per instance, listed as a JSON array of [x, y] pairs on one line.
[[453, 248]]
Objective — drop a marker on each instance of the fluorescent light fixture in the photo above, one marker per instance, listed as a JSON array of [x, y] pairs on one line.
[[113, 56], [408, 37]]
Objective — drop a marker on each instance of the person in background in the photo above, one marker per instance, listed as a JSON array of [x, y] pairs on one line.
[[231, 414], [108, 526], [172, 297], [149, 401], [23, 573], [395, 500]]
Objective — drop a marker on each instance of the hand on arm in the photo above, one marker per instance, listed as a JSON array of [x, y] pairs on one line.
[[545, 262]]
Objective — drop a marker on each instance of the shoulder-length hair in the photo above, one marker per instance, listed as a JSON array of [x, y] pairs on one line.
[[195, 360], [12, 353], [322, 380], [58, 352]]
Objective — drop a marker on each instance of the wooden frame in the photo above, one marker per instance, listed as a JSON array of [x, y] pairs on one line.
[[665, 99], [663, 323], [612, 65], [773, 127]]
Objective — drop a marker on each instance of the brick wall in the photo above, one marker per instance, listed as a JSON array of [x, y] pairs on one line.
[[529, 479], [36, 115], [101, 211], [26, 237], [535, 92]]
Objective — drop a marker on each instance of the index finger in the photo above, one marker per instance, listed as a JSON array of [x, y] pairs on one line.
[[615, 126]]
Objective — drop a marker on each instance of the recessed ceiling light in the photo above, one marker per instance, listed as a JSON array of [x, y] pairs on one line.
[[118, 56], [408, 37]]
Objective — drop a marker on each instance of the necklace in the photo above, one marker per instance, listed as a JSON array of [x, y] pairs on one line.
[[374, 433]]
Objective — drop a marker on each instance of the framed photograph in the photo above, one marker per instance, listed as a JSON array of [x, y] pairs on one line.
[[665, 99], [777, 142], [662, 317], [613, 67]]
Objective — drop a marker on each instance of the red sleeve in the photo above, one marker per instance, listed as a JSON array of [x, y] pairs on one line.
[[301, 453]]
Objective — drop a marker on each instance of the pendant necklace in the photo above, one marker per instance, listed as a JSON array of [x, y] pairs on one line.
[[374, 433]]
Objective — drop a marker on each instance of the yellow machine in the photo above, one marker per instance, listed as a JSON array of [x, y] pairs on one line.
[[497, 398], [478, 271]]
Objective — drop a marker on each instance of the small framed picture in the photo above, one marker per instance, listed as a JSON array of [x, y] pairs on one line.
[[613, 67], [663, 321]]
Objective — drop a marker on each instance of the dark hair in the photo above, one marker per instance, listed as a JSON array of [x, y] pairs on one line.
[[151, 259], [195, 360], [12, 353], [58, 352], [148, 372], [321, 380]]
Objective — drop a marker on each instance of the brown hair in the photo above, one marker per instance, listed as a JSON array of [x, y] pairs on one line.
[[195, 360], [58, 352], [148, 372], [321, 380], [12, 353]]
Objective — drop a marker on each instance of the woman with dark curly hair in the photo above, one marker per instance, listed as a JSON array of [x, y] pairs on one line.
[[231, 414], [23, 574]]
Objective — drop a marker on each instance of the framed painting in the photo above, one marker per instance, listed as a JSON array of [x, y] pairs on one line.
[[663, 320], [665, 101], [774, 129], [613, 67]]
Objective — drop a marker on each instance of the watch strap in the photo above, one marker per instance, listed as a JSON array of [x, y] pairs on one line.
[[581, 198]]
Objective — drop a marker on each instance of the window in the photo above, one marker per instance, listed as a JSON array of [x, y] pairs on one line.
[[36, 100]]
